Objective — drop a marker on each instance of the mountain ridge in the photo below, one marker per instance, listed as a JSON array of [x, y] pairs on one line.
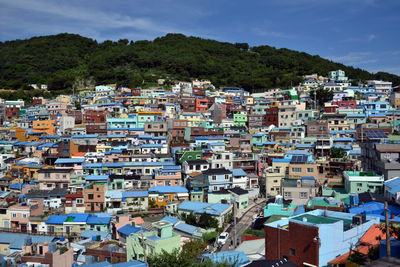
[[60, 60]]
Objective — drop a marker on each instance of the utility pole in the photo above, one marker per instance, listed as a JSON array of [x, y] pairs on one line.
[[144, 247], [234, 222], [387, 230], [315, 99]]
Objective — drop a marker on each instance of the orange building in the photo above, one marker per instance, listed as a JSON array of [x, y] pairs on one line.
[[46, 126], [162, 195], [20, 134]]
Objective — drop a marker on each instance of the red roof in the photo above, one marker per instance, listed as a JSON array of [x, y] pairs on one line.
[[371, 238]]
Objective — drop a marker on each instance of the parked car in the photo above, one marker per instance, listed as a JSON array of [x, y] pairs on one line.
[[222, 238]]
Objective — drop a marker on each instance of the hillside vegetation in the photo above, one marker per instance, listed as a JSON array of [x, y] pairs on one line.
[[65, 60]]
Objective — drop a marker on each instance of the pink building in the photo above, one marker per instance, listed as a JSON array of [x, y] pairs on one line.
[[55, 107], [20, 213], [54, 178], [117, 156], [47, 253], [123, 220], [168, 175]]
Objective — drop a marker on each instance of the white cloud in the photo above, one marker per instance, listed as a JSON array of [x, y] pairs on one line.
[[371, 37], [354, 58], [77, 18]]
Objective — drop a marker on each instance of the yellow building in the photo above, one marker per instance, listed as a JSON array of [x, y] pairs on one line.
[[193, 119], [46, 126], [64, 98]]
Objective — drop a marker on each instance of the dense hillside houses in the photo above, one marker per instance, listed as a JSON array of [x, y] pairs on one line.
[[112, 174]]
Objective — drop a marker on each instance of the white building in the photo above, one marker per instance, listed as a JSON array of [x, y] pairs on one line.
[[380, 86]]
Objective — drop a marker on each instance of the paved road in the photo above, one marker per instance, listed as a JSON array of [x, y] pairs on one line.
[[242, 223]]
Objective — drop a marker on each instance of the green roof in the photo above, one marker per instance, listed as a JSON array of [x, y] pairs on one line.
[[274, 218], [323, 220], [70, 219], [322, 202]]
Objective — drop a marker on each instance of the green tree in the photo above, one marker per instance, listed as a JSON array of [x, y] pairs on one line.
[[190, 218], [188, 257], [321, 96], [207, 221], [357, 258], [337, 152]]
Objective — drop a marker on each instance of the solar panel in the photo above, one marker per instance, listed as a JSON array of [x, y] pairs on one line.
[[375, 134], [299, 159]]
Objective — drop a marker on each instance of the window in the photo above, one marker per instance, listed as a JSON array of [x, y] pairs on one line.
[[303, 194], [296, 169], [359, 184], [24, 215], [288, 194], [90, 196], [214, 177], [275, 181], [292, 252], [14, 215], [310, 169], [226, 177]]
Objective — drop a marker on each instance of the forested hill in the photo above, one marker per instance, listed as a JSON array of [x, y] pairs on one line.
[[61, 60]]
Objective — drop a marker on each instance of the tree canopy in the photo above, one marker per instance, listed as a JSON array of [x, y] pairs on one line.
[[62, 60]]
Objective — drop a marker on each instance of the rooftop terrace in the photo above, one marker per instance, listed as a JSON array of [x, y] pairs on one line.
[[323, 220]]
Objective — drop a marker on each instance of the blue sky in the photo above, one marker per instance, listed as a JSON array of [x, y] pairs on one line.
[[362, 33]]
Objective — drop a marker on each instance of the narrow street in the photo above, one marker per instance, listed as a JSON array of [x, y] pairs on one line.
[[243, 222]]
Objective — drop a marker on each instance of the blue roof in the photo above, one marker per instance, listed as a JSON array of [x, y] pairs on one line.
[[91, 233], [200, 207], [16, 241], [171, 220], [135, 194], [208, 138], [84, 136], [98, 220], [17, 186], [151, 145], [78, 217], [129, 229], [232, 258], [394, 185], [56, 219], [171, 168], [377, 209], [355, 152], [116, 135], [186, 228], [114, 194], [307, 178], [281, 160], [69, 160], [344, 139], [168, 189], [238, 172], [305, 145], [96, 178]]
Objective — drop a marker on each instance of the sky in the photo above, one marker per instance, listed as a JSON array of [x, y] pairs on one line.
[[361, 33]]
